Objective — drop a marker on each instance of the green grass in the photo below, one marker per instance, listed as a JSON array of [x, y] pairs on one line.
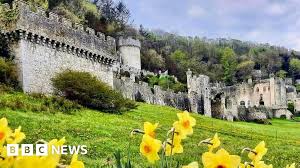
[[105, 133]]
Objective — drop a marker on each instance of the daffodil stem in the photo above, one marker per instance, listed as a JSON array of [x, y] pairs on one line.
[[172, 146]]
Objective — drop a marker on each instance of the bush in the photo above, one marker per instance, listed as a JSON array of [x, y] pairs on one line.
[[166, 82], [88, 91], [8, 73]]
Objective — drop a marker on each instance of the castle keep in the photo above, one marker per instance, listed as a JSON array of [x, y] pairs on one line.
[[45, 44]]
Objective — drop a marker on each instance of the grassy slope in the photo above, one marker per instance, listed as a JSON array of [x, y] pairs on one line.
[[105, 133]]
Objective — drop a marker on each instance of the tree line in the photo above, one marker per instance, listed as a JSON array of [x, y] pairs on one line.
[[227, 60]]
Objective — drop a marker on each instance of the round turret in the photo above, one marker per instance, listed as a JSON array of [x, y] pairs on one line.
[[130, 52]]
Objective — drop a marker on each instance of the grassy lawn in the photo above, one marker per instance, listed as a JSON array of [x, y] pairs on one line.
[[105, 133]]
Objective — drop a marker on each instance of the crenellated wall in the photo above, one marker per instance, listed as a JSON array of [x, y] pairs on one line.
[[51, 27], [45, 44], [130, 54], [143, 92]]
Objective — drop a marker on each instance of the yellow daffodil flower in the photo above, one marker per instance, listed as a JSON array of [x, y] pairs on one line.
[[179, 131], [52, 160], [261, 164], [176, 146], [149, 129], [192, 165], [5, 131], [220, 159], [185, 124], [150, 148], [75, 163], [258, 152], [291, 166], [6, 161], [16, 137], [29, 162], [215, 143]]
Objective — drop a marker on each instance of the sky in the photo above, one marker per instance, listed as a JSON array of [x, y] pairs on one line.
[[265, 21]]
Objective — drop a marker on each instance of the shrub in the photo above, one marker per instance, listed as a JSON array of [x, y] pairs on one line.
[[165, 82], [88, 91], [8, 73]]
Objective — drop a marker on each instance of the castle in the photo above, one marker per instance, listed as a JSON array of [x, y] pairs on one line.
[[45, 44]]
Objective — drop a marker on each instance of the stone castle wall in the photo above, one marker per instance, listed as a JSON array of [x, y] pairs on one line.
[[44, 44], [199, 93], [38, 64], [143, 92], [129, 50]]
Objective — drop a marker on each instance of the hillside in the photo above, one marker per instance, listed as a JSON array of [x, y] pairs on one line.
[[105, 133]]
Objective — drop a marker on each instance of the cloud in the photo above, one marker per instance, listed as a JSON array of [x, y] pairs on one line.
[[276, 9], [267, 21], [196, 12]]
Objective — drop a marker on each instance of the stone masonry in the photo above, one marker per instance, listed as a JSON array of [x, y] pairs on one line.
[[45, 44]]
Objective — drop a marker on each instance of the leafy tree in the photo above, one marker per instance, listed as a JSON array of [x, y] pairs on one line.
[[281, 74], [229, 63], [152, 60], [244, 69], [295, 66]]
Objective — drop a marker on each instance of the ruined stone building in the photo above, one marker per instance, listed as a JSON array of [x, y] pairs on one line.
[[45, 44]]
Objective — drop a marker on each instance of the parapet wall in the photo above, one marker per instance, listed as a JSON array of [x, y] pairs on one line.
[[143, 92], [61, 31], [129, 42]]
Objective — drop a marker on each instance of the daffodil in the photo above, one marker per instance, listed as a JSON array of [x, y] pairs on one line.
[[150, 148], [174, 146], [179, 131], [291, 166], [258, 152], [149, 129], [185, 124], [16, 137], [75, 163], [261, 164], [191, 165], [5, 131], [52, 160], [6, 161], [29, 162], [220, 159], [214, 143]]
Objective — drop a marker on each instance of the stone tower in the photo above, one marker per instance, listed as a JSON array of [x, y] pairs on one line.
[[130, 52], [199, 93]]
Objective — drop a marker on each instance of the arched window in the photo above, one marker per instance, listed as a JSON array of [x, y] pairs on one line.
[[249, 103], [261, 100], [257, 89]]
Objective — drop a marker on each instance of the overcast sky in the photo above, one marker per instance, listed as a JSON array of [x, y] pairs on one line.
[[267, 21]]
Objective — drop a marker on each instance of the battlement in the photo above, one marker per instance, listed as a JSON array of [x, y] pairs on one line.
[[129, 42], [56, 29]]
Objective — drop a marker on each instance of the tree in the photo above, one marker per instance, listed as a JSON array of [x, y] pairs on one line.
[[295, 66], [115, 17], [179, 56], [244, 69], [281, 74], [229, 63], [153, 61]]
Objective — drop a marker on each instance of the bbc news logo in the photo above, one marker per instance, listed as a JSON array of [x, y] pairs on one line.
[[42, 150]]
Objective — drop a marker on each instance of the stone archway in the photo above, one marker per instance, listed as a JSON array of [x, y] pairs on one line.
[[216, 106], [200, 105]]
